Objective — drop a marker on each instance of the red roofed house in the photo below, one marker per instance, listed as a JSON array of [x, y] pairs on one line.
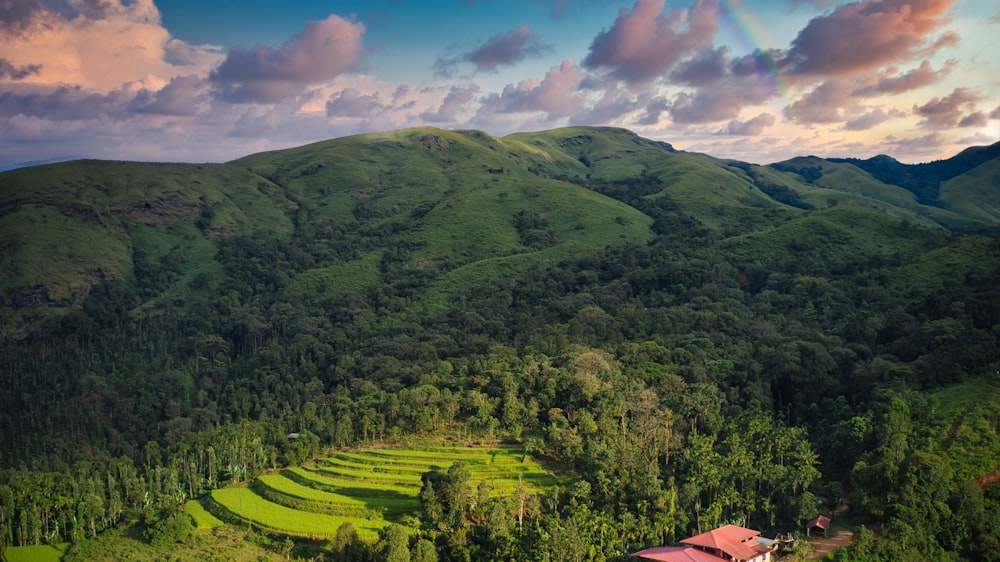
[[725, 543]]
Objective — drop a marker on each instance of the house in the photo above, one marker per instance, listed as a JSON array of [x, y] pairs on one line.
[[820, 522], [729, 543]]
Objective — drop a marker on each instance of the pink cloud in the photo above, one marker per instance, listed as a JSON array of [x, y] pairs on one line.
[[350, 103], [721, 100], [99, 46], [944, 112], [916, 147], [180, 97], [750, 127], [869, 34], [917, 78], [456, 100], [976, 119], [871, 119], [645, 43], [826, 103], [320, 52], [555, 94], [612, 106]]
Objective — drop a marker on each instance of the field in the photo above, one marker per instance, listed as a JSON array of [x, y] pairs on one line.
[[368, 488], [40, 553]]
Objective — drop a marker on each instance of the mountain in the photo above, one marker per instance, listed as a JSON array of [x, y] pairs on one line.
[[957, 194], [462, 207]]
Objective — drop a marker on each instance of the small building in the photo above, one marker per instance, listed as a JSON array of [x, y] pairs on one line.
[[730, 543], [820, 522]]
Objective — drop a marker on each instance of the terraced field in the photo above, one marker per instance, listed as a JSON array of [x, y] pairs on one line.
[[368, 488]]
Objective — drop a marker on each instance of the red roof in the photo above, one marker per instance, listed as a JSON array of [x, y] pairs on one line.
[[677, 554], [737, 542], [820, 521]]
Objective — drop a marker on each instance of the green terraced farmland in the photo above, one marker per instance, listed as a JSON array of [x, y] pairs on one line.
[[368, 487], [249, 506]]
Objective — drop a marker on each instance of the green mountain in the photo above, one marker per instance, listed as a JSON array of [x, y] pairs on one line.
[[690, 340], [460, 207]]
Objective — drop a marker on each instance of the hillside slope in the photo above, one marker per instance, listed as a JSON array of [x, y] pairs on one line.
[[460, 208]]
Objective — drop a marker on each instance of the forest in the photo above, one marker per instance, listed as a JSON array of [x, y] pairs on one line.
[[750, 364]]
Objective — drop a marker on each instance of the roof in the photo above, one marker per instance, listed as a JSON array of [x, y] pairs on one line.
[[729, 539], [684, 553], [820, 521]]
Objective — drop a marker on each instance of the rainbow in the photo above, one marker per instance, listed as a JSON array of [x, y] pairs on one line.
[[752, 36]]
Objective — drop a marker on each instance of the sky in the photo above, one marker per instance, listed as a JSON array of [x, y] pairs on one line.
[[755, 80]]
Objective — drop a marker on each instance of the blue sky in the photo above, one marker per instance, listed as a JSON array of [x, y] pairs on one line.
[[761, 81]]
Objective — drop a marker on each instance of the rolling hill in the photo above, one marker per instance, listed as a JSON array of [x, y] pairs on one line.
[[460, 207]]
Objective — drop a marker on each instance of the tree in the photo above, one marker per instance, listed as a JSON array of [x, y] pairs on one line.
[[393, 544]]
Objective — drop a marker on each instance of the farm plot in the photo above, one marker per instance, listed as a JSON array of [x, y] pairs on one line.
[[368, 488]]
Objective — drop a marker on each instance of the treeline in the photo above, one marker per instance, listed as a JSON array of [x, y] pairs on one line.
[[686, 387]]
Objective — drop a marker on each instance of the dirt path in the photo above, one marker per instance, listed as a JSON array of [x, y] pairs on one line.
[[990, 479], [825, 545]]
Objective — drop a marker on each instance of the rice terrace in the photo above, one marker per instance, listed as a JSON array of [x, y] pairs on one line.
[[368, 488]]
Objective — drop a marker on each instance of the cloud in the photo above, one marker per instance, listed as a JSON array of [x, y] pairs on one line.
[[67, 103], [995, 114], [704, 68], [555, 94], [456, 100], [976, 119], [504, 49], [611, 107], [17, 16], [180, 97], [917, 78], [721, 100], [644, 43], [320, 52], [751, 127], [8, 70], [916, 147], [98, 46], [945, 112], [869, 34], [179, 53], [871, 119], [826, 103], [349, 103], [654, 109]]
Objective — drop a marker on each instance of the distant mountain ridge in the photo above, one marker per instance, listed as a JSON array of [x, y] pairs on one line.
[[924, 179]]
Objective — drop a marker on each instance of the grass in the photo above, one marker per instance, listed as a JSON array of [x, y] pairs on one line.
[[40, 553], [370, 487], [201, 517], [255, 509]]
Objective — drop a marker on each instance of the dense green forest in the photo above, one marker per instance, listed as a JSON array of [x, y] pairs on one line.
[[696, 341]]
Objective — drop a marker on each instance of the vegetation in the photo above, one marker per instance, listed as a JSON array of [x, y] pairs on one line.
[[684, 341]]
